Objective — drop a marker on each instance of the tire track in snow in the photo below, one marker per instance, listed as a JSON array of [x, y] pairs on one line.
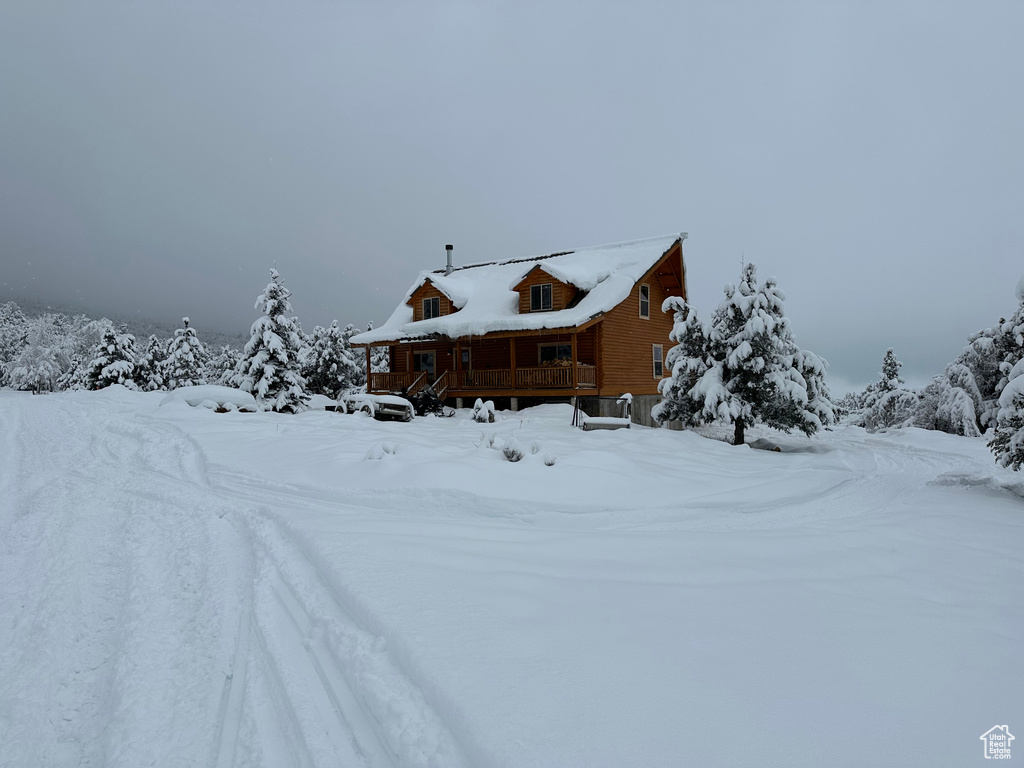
[[352, 702]]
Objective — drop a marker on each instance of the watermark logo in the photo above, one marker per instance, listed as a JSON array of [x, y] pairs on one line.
[[997, 742]]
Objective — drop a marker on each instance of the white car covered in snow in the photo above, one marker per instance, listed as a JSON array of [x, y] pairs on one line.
[[379, 406]]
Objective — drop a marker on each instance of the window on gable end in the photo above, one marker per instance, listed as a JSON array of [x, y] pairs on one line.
[[540, 297], [645, 301]]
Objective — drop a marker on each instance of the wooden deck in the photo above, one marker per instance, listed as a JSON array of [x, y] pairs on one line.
[[519, 382]]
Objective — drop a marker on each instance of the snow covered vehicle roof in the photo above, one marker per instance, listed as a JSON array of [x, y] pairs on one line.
[[484, 298]]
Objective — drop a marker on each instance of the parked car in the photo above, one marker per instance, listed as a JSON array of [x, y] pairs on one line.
[[380, 407]]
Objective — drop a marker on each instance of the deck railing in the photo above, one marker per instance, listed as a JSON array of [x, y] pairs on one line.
[[545, 377], [389, 382], [490, 379]]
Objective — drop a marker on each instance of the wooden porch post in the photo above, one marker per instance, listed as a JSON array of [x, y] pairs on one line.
[[575, 372], [458, 364], [367, 368], [512, 359]]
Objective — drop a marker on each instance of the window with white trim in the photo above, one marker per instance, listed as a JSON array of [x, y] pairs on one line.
[[431, 307], [656, 355], [540, 297], [645, 301]]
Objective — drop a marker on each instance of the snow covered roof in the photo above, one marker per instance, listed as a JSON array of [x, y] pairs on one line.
[[486, 302]]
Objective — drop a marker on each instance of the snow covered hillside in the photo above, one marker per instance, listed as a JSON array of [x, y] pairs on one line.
[[180, 587]]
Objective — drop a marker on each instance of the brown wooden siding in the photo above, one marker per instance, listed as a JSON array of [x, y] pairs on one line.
[[626, 358], [427, 291], [561, 293]]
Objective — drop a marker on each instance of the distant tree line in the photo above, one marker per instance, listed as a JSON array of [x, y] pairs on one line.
[[281, 365], [979, 393]]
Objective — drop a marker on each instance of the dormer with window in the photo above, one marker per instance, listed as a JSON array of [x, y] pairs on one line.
[[428, 301], [540, 292]]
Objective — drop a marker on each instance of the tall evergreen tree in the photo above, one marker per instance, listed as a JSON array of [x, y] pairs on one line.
[[149, 368], [380, 357], [686, 362], [888, 402], [186, 357], [747, 369], [113, 361], [330, 367], [270, 364]]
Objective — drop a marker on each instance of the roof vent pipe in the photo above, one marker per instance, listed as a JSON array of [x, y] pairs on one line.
[[449, 269]]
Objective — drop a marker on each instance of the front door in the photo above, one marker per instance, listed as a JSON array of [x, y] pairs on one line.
[[424, 361]]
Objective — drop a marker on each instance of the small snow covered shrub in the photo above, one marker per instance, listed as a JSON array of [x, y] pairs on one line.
[[381, 450], [550, 459], [535, 447], [483, 412], [512, 450]]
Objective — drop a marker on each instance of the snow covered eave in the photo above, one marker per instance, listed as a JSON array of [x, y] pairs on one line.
[[412, 336]]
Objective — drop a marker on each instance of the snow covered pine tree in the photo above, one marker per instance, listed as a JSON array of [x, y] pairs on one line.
[[149, 368], [745, 367], [269, 367], [887, 402], [330, 367], [1008, 439], [113, 361], [186, 358]]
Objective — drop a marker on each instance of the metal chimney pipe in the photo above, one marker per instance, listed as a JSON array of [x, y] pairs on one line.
[[449, 269]]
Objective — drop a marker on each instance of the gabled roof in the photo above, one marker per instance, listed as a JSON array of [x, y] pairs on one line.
[[487, 303]]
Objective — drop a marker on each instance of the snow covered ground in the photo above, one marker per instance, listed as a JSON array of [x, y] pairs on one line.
[[182, 587]]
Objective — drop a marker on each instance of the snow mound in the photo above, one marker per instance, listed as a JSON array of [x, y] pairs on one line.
[[212, 396]]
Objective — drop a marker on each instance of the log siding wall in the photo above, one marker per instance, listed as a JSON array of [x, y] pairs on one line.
[[627, 360]]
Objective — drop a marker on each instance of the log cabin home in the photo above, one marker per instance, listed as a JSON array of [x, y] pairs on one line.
[[568, 324]]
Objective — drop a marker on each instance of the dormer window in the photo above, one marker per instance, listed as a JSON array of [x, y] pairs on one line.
[[431, 307], [540, 297], [645, 301]]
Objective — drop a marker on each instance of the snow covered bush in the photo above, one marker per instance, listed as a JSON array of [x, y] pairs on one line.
[[483, 413], [186, 358], [512, 450], [744, 367], [113, 361], [330, 366], [270, 364]]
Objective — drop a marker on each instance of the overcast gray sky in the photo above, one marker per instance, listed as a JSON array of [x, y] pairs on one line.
[[157, 158]]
